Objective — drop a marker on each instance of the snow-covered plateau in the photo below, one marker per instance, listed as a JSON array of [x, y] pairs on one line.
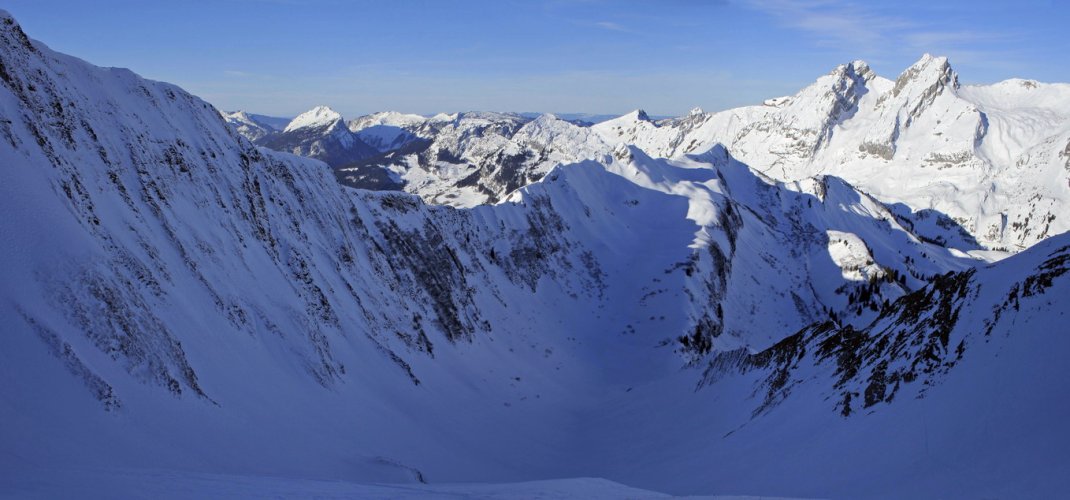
[[855, 292]]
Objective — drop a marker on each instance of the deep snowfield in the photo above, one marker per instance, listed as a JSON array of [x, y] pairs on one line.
[[170, 484], [186, 314]]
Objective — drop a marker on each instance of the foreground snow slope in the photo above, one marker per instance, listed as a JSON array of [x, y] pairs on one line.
[[953, 392], [175, 298], [165, 484]]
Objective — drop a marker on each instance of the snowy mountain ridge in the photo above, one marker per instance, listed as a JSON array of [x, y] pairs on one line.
[[986, 156], [180, 299], [319, 133], [992, 159], [254, 127], [317, 117]]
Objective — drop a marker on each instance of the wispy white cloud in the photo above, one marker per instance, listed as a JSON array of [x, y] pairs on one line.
[[864, 28], [953, 39], [612, 26], [835, 21]]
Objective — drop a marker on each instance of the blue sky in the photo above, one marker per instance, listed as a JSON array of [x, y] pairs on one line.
[[281, 57]]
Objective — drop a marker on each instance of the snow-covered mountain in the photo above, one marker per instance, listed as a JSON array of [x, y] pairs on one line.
[[468, 159], [177, 299], [584, 119], [319, 133], [255, 127], [984, 166], [992, 158], [387, 131]]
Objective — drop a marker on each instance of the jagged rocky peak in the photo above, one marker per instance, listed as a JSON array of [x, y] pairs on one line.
[[852, 78], [639, 115], [7, 21], [317, 117], [9, 27], [929, 76], [691, 120], [831, 94], [807, 119], [857, 69]]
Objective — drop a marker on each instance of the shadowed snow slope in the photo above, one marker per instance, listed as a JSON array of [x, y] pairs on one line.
[[174, 298]]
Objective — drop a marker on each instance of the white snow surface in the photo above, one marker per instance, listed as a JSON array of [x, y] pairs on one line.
[[317, 117], [186, 312], [92, 483]]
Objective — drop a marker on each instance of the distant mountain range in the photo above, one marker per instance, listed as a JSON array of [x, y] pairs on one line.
[[975, 167]]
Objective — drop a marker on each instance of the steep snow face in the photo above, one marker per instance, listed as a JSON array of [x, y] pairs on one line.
[[169, 285]]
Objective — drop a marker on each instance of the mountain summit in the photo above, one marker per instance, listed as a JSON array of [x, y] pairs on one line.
[[319, 117], [319, 133]]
